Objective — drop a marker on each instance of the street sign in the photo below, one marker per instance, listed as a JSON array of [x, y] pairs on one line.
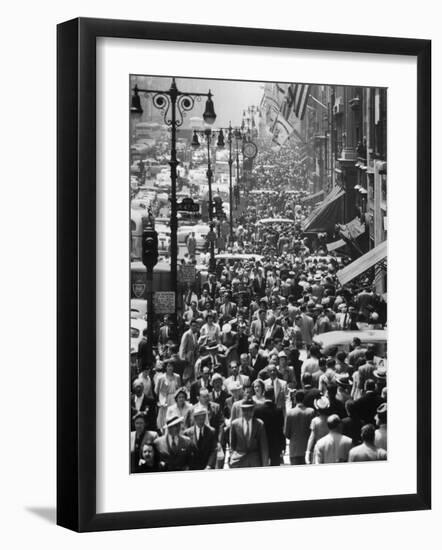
[[187, 274], [164, 302], [188, 205]]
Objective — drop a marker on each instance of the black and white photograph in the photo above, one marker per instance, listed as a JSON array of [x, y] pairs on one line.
[[258, 274]]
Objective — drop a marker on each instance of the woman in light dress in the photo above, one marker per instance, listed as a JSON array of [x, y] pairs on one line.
[[181, 407], [165, 388], [258, 389]]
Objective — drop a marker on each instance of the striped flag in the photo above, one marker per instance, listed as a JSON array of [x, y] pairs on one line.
[[295, 101], [282, 130], [269, 105]]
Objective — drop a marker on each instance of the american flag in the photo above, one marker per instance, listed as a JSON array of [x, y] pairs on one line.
[[296, 101], [281, 132]]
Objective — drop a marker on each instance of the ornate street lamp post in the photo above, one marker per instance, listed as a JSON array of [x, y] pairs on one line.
[[207, 134], [174, 104], [240, 135]]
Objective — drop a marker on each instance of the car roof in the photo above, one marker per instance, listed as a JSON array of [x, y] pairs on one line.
[[337, 337], [275, 220], [140, 324], [239, 257]]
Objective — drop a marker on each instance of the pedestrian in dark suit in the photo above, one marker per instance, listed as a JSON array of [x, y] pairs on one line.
[[203, 383], [311, 393], [204, 440], [210, 286], [273, 331], [257, 360], [214, 414], [273, 419], [248, 440], [140, 403], [218, 394], [258, 284], [365, 407], [336, 406], [173, 450]]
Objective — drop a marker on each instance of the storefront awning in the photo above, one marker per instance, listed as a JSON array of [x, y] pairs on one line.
[[325, 216], [363, 264], [315, 197]]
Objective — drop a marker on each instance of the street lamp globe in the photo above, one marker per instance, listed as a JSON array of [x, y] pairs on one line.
[[136, 102], [209, 114]]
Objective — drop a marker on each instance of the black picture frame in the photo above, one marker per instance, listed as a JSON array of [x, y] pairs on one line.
[[76, 273]]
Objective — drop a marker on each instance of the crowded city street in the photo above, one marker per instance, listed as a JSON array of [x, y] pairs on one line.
[[258, 277]]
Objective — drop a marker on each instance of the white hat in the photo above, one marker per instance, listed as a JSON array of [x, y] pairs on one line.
[[322, 404], [174, 420], [199, 409], [227, 327]]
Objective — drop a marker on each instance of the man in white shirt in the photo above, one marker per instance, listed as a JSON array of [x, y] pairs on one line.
[[279, 387], [367, 449], [235, 377], [334, 447]]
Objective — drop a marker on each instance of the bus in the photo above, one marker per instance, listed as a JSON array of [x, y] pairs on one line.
[[138, 281]]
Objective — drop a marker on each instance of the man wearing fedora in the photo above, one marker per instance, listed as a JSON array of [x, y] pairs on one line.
[[248, 440], [218, 394], [208, 357], [344, 383], [380, 377], [232, 405], [173, 450], [204, 440], [318, 426]]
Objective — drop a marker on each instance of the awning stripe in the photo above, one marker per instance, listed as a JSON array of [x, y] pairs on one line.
[[362, 264], [317, 213], [314, 196]]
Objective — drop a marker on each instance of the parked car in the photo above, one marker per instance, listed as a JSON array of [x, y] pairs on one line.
[[342, 339], [138, 308], [136, 333]]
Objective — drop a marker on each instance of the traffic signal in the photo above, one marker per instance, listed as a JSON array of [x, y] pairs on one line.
[[150, 247]]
